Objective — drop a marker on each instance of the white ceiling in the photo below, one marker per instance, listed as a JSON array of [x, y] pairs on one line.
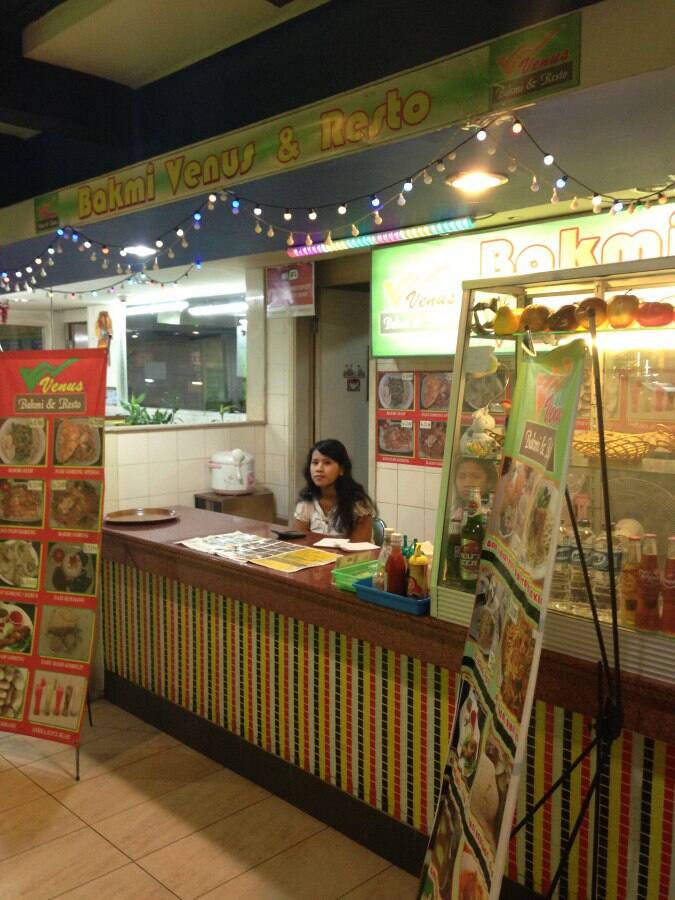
[[134, 42]]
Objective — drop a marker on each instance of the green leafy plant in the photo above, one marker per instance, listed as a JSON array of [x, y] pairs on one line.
[[137, 414]]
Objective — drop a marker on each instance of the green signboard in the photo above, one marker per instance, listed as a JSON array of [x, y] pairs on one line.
[[536, 62], [415, 304]]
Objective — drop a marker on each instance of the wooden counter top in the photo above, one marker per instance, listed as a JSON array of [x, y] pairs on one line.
[[309, 596]]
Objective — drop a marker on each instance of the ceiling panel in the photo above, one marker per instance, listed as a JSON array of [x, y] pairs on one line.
[[136, 43]]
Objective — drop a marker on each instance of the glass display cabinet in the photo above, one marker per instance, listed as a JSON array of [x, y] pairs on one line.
[[502, 320]]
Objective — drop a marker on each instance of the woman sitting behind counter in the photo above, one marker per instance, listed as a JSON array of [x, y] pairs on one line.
[[332, 502]]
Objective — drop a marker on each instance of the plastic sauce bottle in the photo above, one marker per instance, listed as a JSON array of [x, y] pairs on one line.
[[379, 578], [629, 583], [395, 567], [668, 595], [418, 565], [649, 586], [471, 542]]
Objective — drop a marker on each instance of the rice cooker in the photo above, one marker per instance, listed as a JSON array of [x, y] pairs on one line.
[[232, 472]]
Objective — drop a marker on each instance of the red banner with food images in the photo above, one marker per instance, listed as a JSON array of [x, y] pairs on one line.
[[52, 409]]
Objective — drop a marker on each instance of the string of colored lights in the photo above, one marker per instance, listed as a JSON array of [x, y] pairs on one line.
[[29, 272]]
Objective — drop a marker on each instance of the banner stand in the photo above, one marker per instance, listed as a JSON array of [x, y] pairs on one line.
[[610, 711]]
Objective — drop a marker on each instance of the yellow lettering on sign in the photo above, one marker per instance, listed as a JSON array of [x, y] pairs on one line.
[[356, 128], [192, 174], [84, 202], [134, 191], [174, 169]]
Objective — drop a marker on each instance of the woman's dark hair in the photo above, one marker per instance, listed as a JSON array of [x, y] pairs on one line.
[[349, 492]]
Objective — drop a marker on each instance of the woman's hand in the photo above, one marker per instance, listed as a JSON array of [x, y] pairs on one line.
[[298, 525], [363, 529]]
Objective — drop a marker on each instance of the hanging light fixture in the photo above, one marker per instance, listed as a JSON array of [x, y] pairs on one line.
[[476, 181]]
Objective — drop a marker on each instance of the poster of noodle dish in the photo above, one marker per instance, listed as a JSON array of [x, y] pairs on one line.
[[52, 408], [468, 847]]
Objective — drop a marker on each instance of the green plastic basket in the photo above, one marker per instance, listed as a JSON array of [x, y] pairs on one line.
[[345, 576]]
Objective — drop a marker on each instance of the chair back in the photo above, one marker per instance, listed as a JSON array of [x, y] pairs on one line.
[[378, 531]]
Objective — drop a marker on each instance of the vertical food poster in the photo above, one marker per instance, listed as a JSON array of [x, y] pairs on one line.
[[52, 407], [468, 847], [412, 412]]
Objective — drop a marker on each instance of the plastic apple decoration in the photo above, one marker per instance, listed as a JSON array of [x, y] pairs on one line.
[[653, 315], [600, 307], [622, 309]]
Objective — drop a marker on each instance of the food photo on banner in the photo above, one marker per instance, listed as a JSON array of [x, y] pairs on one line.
[[412, 410], [52, 409], [468, 848]]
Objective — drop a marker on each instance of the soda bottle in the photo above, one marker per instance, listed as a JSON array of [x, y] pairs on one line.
[[471, 541], [668, 591], [379, 578], [649, 586], [454, 542], [395, 567], [629, 582], [577, 585], [600, 575], [560, 584]]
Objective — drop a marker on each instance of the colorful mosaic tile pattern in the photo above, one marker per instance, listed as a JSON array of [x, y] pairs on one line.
[[375, 724]]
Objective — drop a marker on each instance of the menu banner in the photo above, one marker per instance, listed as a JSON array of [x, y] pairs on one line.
[[290, 290], [412, 412], [52, 408], [468, 847]]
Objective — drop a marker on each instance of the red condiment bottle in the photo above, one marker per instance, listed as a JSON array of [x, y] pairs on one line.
[[649, 586], [668, 595], [395, 567]]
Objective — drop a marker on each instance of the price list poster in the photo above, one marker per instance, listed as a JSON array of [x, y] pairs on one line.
[[52, 409], [468, 847]]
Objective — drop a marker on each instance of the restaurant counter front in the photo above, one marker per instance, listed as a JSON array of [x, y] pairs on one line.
[[344, 709]]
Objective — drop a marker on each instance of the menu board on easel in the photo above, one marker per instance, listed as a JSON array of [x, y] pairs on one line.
[[468, 848], [52, 408], [412, 411]]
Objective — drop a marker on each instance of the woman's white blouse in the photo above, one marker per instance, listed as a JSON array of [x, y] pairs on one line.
[[317, 520]]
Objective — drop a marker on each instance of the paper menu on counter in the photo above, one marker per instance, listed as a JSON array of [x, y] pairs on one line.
[[236, 545], [296, 560], [345, 544]]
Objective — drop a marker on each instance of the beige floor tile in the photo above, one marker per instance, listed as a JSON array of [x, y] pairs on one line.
[[97, 757], [5, 764], [16, 789], [34, 823], [111, 716], [198, 863], [133, 784], [325, 865], [162, 821], [128, 883], [392, 884], [62, 864], [21, 750]]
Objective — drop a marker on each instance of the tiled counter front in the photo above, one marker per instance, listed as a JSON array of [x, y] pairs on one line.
[[375, 724]]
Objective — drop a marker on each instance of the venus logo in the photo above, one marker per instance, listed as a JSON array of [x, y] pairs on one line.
[[33, 377]]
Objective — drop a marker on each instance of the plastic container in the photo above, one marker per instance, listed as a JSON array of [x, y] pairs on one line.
[[415, 606], [345, 576]]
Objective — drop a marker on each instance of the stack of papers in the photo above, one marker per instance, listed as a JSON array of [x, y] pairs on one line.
[[345, 544], [241, 547]]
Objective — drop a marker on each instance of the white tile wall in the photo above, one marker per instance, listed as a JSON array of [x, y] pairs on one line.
[[411, 486], [408, 498]]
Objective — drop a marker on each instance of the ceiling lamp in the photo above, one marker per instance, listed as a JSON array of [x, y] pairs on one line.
[[476, 181], [138, 250]]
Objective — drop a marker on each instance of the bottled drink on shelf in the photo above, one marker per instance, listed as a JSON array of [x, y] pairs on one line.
[[629, 582], [577, 585], [453, 547], [471, 541], [380, 576], [395, 567], [668, 591], [560, 584], [649, 586], [600, 578]]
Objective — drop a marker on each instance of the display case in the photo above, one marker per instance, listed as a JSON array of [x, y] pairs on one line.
[[504, 319]]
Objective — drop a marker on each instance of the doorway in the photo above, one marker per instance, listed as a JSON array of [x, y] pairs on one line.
[[341, 350]]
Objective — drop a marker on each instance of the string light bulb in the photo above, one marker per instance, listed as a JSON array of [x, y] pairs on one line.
[[596, 202], [342, 209], [288, 215], [561, 181], [617, 206], [452, 156], [270, 232], [258, 228], [377, 218], [159, 243], [408, 185], [554, 196], [662, 198], [512, 166], [170, 253], [574, 203], [549, 159], [289, 239], [517, 127], [312, 215], [440, 166], [179, 232], [329, 237], [355, 231], [257, 210], [374, 201], [197, 216], [400, 200], [235, 206], [308, 240], [426, 177], [92, 256], [481, 134], [184, 243], [534, 184], [631, 208]]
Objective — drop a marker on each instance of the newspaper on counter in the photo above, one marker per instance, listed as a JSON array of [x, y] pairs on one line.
[[241, 547]]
